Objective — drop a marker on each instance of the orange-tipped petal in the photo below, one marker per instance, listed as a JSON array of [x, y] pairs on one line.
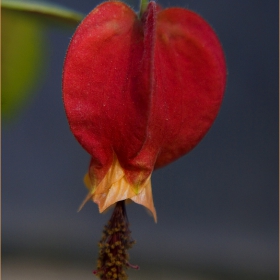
[[139, 93], [115, 187]]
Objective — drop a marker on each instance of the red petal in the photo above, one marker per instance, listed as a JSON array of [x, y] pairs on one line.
[[147, 91], [190, 74], [189, 77], [106, 107]]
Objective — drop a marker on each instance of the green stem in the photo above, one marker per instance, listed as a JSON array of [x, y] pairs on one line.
[[143, 6]]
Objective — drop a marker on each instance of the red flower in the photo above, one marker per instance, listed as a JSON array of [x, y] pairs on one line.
[[139, 93]]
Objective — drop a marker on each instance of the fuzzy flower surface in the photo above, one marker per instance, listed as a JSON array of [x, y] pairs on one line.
[[140, 92]]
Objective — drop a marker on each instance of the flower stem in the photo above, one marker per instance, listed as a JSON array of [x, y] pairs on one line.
[[113, 246], [143, 6]]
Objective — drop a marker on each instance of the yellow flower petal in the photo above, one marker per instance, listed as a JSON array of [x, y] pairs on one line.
[[115, 187]]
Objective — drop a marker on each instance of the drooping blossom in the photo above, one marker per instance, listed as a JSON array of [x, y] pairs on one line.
[[140, 92]]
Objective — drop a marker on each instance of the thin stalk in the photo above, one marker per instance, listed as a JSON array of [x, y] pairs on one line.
[[143, 6]]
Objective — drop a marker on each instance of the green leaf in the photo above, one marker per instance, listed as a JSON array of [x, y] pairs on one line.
[[22, 54], [44, 11], [24, 49]]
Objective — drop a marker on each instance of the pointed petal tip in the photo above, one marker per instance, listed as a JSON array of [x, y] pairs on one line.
[[145, 198], [87, 198], [115, 187]]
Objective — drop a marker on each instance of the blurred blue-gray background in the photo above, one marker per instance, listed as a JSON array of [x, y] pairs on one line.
[[217, 206]]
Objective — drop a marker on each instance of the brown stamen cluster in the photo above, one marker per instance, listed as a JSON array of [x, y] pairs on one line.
[[113, 246]]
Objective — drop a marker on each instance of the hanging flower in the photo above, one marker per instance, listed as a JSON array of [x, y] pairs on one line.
[[139, 92]]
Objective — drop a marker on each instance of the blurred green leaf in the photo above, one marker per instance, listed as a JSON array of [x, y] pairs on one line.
[[44, 11], [22, 54], [24, 49]]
